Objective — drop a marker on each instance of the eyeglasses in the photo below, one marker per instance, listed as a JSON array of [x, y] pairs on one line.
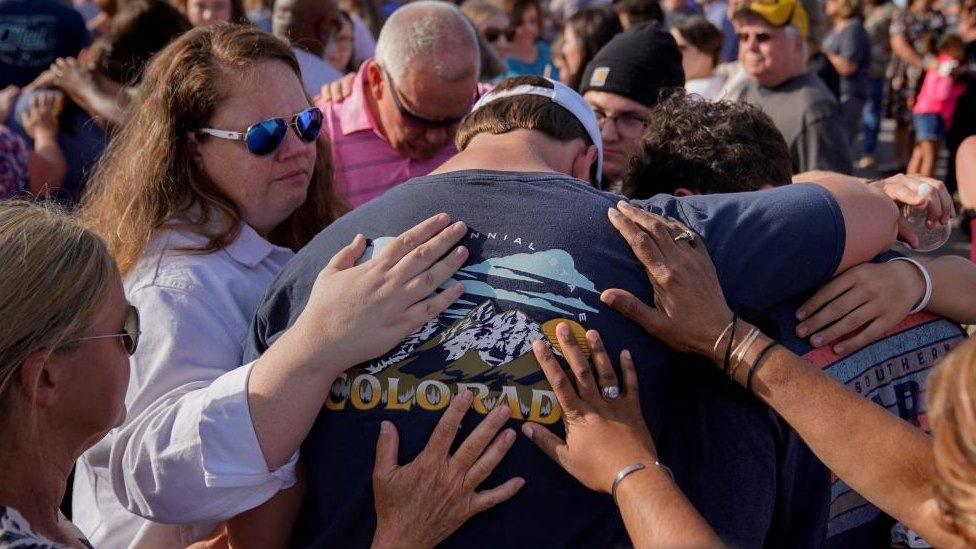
[[423, 121], [130, 332], [493, 33], [761, 37], [266, 136], [627, 123]]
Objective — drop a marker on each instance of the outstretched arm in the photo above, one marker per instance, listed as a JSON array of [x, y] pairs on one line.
[[885, 459]]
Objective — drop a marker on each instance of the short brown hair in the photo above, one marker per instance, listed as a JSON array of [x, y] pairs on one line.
[[147, 176], [720, 147], [522, 112]]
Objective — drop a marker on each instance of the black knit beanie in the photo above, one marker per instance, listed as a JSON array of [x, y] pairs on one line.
[[638, 63]]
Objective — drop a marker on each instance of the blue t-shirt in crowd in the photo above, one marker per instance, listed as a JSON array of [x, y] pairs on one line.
[[33, 33], [893, 372], [542, 66], [542, 250], [852, 43]]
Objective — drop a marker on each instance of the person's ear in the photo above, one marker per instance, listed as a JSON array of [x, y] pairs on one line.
[[193, 145], [684, 191], [583, 163], [42, 377], [374, 79]]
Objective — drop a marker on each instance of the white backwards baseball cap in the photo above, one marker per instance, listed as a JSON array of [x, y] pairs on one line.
[[565, 97]]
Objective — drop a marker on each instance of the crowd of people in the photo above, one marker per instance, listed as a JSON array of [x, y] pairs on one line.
[[349, 273]]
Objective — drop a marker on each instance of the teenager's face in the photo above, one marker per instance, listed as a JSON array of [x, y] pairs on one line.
[[622, 125]]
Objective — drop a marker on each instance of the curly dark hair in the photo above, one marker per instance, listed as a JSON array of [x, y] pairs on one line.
[[720, 147]]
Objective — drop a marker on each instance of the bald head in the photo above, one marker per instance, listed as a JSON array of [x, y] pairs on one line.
[[307, 24], [435, 34]]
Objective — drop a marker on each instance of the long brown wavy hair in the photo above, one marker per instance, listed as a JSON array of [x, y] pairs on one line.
[[147, 177], [952, 417]]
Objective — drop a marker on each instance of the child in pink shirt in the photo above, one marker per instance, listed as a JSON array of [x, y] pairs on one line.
[[934, 105]]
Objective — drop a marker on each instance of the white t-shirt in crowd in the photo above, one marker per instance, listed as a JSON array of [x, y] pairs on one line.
[[708, 88], [315, 71]]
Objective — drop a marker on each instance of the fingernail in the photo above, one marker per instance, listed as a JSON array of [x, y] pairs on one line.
[[508, 436], [839, 350], [613, 212], [623, 205], [816, 341], [801, 314], [562, 329], [459, 226], [625, 354], [519, 482], [606, 298], [386, 427], [466, 396], [502, 410], [801, 331], [527, 429], [460, 251]]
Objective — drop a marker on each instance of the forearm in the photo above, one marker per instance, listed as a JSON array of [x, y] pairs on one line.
[[953, 288], [46, 165], [883, 458], [107, 109], [905, 51], [843, 65], [285, 393], [657, 514]]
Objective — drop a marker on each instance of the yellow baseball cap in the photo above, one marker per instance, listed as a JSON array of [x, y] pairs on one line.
[[781, 13]]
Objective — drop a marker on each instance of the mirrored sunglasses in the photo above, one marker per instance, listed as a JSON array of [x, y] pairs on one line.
[[264, 137]]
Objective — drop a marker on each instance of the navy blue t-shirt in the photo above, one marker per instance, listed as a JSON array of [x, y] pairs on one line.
[[33, 33], [542, 250]]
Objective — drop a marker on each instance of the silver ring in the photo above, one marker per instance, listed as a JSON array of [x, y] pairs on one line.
[[685, 235], [610, 393]]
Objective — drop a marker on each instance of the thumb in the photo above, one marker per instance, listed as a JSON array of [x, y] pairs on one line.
[[652, 320], [545, 440], [347, 256], [387, 449]]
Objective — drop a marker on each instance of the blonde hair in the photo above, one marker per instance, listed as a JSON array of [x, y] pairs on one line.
[[54, 276], [952, 417]]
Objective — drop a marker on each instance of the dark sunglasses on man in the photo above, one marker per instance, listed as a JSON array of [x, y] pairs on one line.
[[419, 120], [264, 137], [129, 335]]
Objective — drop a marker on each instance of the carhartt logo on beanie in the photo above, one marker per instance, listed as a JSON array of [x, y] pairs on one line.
[[638, 63]]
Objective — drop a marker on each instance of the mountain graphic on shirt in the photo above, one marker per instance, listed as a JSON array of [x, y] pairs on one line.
[[485, 345]]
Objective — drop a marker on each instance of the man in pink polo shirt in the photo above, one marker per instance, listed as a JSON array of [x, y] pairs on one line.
[[400, 119]]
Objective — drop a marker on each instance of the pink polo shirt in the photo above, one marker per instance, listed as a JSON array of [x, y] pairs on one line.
[[365, 163]]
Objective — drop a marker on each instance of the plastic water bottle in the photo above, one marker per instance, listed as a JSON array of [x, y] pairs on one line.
[[929, 239]]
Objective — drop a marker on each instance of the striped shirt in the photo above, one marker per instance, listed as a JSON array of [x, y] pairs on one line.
[[365, 163]]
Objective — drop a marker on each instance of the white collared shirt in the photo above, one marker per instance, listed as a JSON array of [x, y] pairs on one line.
[[187, 453]]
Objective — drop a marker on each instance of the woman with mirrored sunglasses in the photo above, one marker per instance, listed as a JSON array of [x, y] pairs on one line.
[[64, 364], [203, 195]]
